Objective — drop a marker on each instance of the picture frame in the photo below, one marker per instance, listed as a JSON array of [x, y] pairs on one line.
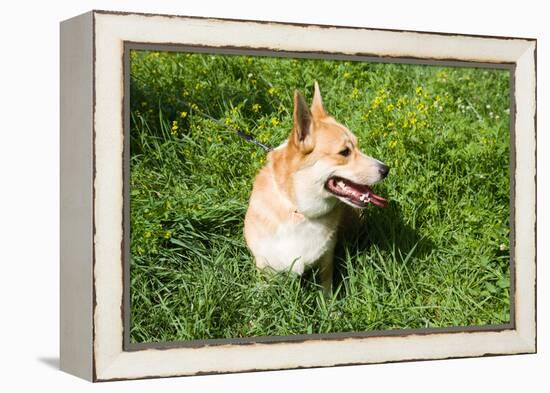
[[94, 273]]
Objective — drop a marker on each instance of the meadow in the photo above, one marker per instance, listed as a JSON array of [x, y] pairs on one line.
[[438, 256]]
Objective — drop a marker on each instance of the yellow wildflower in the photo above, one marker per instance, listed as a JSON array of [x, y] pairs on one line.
[[272, 91], [175, 127], [256, 108], [183, 115], [274, 121], [421, 107], [401, 102], [376, 102], [442, 75]]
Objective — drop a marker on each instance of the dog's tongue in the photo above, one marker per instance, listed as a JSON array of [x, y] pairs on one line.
[[378, 200]]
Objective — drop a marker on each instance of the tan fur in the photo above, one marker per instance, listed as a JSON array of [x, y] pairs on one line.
[[292, 220]]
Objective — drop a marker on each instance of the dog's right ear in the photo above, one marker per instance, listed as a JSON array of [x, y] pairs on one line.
[[301, 131], [317, 104]]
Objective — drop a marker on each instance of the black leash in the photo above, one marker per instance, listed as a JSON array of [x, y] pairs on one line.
[[242, 134]]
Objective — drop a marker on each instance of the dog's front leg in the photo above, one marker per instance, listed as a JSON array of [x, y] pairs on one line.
[[326, 268]]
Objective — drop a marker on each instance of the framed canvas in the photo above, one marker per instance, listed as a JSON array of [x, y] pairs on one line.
[[247, 195]]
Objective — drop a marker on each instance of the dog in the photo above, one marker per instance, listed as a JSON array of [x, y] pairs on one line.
[[300, 197]]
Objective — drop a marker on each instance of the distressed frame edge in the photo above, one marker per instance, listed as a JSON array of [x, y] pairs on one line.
[[526, 216], [257, 370], [304, 24], [524, 346], [527, 339], [76, 196]]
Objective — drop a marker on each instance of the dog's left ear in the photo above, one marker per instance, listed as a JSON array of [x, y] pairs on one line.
[[317, 109]]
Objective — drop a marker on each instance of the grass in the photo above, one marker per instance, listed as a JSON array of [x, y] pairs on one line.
[[437, 257]]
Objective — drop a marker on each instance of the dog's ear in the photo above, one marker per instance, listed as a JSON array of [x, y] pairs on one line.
[[301, 131], [317, 104]]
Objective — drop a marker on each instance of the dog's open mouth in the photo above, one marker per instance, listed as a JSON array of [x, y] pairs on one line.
[[359, 195]]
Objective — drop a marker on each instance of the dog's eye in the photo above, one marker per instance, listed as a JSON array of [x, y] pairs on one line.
[[346, 152]]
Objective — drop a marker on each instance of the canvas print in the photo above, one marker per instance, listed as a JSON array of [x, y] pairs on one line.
[[280, 196]]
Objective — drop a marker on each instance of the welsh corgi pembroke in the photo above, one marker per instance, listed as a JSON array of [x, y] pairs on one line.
[[300, 197]]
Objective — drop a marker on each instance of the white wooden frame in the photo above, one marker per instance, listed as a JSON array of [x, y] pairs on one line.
[[92, 164]]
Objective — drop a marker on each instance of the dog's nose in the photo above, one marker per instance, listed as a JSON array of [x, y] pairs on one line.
[[383, 170]]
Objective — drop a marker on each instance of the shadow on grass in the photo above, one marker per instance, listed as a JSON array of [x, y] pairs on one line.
[[388, 231]]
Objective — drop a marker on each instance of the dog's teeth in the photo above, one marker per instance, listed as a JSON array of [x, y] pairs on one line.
[[365, 198], [341, 184]]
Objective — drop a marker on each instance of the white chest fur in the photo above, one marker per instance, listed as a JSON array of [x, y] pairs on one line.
[[299, 244]]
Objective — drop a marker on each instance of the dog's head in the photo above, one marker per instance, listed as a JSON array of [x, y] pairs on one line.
[[329, 165]]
